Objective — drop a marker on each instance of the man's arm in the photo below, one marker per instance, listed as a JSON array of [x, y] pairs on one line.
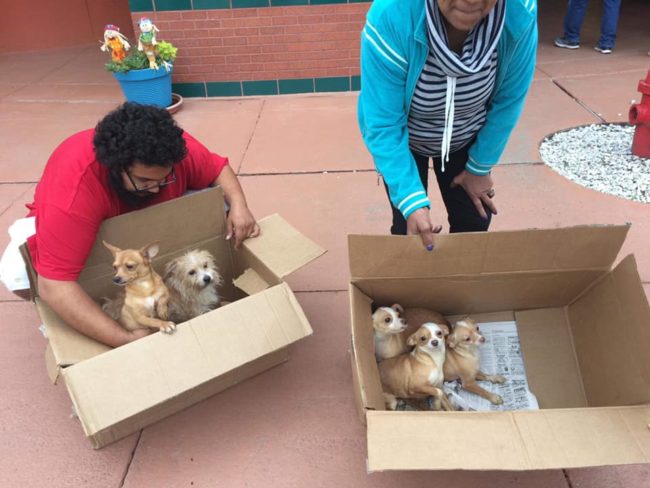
[[241, 222], [78, 310]]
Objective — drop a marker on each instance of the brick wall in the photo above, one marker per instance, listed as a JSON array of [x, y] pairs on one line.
[[263, 44]]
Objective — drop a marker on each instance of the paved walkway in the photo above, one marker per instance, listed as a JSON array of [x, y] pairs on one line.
[[300, 156]]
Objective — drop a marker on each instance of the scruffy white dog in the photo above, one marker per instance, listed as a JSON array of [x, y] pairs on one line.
[[193, 280]]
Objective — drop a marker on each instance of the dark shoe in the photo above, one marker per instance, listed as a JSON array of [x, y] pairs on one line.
[[603, 50], [565, 43]]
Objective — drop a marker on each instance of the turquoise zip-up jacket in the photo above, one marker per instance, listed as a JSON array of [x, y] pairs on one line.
[[394, 48]]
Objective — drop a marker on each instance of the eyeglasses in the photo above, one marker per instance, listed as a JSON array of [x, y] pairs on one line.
[[143, 187]]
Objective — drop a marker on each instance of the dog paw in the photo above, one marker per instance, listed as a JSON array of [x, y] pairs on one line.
[[497, 378], [168, 328], [496, 399]]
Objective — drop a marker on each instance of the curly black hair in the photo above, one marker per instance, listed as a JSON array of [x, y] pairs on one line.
[[142, 133]]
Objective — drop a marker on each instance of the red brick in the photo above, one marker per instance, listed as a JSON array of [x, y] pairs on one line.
[[174, 15], [171, 35], [310, 19], [272, 30], [208, 24], [221, 33], [244, 12], [178, 25], [210, 41], [197, 33], [194, 14], [339, 17], [238, 59], [219, 14], [285, 20], [235, 41], [247, 32], [201, 68]]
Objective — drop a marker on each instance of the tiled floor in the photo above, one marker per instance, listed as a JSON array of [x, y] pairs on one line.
[[300, 156]]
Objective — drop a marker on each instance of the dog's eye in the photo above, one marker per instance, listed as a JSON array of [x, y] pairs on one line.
[[423, 338], [129, 266], [205, 266], [467, 339], [114, 268], [192, 272], [387, 320], [439, 334]]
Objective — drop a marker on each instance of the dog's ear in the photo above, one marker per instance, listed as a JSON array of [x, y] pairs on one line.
[[397, 307], [114, 249], [150, 250], [450, 341], [170, 267], [444, 328], [413, 338]]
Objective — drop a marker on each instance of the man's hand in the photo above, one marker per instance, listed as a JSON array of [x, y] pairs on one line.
[[479, 189], [419, 223], [241, 224]]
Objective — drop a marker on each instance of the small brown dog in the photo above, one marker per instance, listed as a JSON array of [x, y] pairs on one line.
[[144, 301], [389, 325], [193, 280], [417, 316], [417, 374], [462, 360]]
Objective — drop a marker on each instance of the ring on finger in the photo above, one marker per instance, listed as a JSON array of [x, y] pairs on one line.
[[490, 193]]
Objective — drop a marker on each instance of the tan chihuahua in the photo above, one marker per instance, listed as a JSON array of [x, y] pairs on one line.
[[419, 373], [145, 299], [389, 325], [462, 360]]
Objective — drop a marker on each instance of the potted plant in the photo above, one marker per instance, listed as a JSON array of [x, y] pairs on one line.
[[144, 73]]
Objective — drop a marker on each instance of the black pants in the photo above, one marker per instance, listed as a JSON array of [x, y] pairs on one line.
[[461, 212]]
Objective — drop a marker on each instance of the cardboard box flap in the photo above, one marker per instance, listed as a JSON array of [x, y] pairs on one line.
[[523, 440], [281, 247], [370, 395], [570, 248], [250, 282], [166, 221], [124, 383], [67, 345], [613, 316]]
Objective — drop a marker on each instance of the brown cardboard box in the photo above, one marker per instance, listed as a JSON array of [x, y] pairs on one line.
[[584, 328], [119, 391]]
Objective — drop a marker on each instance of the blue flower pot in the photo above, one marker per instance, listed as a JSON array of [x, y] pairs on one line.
[[147, 86]]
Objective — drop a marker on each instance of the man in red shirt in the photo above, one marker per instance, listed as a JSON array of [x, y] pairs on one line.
[[136, 157]]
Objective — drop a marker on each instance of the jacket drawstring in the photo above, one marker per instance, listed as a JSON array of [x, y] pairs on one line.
[[449, 120]]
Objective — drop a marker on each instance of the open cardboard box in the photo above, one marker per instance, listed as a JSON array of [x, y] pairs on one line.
[[584, 330], [119, 391]]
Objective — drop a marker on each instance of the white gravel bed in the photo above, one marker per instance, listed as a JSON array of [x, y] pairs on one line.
[[600, 157]]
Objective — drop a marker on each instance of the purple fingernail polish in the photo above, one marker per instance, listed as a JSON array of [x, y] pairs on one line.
[[430, 247]]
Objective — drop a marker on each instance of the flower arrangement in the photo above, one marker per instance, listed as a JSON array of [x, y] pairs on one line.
[[150, 53]]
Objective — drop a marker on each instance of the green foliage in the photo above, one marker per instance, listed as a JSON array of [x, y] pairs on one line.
[[165, 51]]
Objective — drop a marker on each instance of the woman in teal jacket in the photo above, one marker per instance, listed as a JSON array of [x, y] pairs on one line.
[[443, 80]]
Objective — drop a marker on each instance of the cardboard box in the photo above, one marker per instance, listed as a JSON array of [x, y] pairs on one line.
[[584, 328], [119, 391]]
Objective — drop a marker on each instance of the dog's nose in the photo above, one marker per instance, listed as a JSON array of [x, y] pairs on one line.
[[482, 339], [117, 280], [207, 279], [434, 343]]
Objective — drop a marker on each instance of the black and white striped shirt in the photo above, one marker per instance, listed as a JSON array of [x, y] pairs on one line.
[[451, 95]]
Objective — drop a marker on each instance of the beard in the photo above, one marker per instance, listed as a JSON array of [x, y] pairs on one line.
[[132, 199]]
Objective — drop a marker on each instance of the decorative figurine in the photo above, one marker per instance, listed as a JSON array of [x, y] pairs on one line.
[[116, 42], [147, 41]]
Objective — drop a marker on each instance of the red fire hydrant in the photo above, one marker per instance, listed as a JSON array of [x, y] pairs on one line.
[[640, 116]]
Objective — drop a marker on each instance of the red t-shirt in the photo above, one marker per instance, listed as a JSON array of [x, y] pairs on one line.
[[74, 196]]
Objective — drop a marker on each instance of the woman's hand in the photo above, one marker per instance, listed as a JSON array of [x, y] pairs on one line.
[[241, 224], [479, 189], [419, 222]]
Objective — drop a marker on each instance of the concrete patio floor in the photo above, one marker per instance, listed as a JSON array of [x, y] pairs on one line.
[[302, 157]]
